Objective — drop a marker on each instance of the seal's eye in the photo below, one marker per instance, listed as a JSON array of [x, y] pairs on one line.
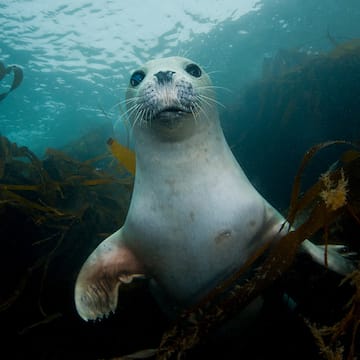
[[193, 70], [137, 77]]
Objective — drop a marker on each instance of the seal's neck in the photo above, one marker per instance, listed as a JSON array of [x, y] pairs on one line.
[[205, 143]]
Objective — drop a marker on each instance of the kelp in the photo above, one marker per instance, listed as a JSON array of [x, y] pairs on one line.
[[125, 156], [328, 338], [21, 171], [296, 86], [343, 48], [297, 205], [18, 76], [10, 151], [283, 62], [230, 297], [45, 205], [50, 187], [342, 63], [318, 98]]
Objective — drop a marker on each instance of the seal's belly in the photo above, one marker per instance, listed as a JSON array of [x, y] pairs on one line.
[[189, 245]]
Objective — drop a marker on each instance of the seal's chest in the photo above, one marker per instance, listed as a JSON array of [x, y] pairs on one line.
[[190, 245], [197, 225]]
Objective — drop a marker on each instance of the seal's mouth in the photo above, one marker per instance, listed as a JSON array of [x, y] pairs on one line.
[[171, 117], [171, 112]]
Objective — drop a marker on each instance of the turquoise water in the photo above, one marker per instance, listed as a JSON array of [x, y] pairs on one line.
[[77, 56]]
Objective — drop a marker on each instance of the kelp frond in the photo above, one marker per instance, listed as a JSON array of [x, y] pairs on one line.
[[334, 194], [330, 338], [54, 196]]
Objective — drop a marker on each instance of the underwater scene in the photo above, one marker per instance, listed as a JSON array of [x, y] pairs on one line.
[[221, 137]]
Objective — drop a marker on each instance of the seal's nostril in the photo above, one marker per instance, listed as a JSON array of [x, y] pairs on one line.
[[164, 76]]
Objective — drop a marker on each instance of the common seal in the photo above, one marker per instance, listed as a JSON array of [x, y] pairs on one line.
[[194, 217]]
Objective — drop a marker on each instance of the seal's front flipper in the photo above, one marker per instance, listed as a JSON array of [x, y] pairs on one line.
[[335, 260], [111, 264]]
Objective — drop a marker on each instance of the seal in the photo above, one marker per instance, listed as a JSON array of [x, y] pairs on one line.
[[194, 217]]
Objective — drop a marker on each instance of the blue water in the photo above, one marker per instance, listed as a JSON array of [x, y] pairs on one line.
[[77, 56]]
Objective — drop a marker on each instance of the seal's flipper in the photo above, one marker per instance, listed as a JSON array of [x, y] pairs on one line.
[[335, 260], [111, 264]]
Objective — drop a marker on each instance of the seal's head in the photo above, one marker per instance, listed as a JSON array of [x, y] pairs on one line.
[[169, 95]]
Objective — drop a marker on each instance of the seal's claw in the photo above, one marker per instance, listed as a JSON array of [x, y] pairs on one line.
[[95, 300], [110, 265]]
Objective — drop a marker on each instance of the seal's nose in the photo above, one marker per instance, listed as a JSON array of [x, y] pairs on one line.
[[164, 77]]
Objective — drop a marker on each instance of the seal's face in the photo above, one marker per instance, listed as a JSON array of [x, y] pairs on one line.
[[168, 95]]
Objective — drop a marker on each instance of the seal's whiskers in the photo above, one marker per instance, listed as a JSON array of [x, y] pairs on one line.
[[137, 110], [195, 115], [199, 109], [122, 102], [131, 110], [210, 100]]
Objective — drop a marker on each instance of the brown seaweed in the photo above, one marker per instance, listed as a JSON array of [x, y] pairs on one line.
[[53, 196]]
